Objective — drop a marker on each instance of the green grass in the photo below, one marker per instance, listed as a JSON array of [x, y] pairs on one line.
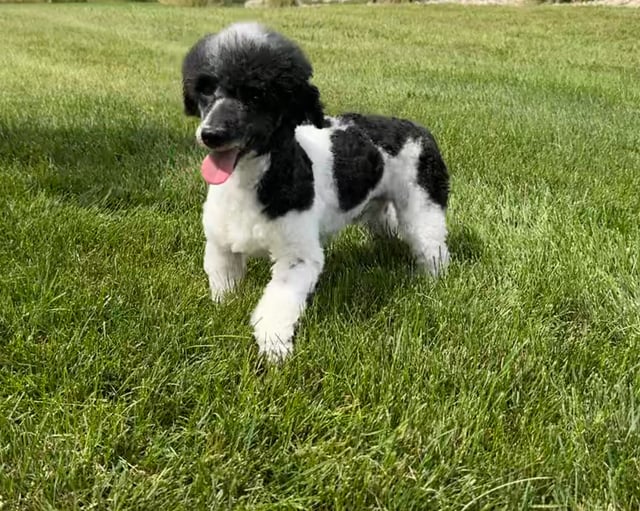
[[511, 383]]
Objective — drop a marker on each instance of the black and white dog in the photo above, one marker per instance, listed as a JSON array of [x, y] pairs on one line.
[[283, 177]]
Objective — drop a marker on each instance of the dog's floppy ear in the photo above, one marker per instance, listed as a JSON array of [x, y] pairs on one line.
[[312, 106], [194, 61], [190, 104], [302, 105], [291, 72]]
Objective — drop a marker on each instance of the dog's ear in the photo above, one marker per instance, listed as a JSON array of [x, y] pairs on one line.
[[190, 104], [312, 106], [192, 63], [302, 105]]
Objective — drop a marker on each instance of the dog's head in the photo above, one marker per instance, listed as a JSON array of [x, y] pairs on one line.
[[248, 85]]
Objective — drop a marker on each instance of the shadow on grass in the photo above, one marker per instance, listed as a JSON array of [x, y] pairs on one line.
[[361, 278], [114, 165], [465, 244]]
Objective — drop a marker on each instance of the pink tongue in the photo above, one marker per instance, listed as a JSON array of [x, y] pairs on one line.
[[218, 166]]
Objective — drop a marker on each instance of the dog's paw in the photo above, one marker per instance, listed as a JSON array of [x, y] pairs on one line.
[[223, 269], [436, 260], [221, 287], [218, 294], [274, 338], [389, 221], [275, 350]]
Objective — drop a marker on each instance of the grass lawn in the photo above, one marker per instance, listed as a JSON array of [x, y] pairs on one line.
[[513, 382]]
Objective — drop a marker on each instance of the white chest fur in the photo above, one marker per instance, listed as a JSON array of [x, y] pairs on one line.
[[233, 216]]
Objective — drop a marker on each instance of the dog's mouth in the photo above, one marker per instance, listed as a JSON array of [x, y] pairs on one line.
[[219, 164]]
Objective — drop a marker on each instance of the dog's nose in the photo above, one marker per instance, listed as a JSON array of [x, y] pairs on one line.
[[212, 137]]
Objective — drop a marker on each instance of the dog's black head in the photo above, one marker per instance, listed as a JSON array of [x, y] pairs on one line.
[[248, 84]]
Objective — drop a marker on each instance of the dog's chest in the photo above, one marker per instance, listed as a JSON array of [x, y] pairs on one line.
[[234, 218]]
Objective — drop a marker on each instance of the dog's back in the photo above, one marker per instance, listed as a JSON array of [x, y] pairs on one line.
[[390, 134]]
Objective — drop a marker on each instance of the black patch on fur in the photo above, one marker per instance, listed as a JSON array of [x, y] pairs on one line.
[[391, 134], [357, 166], [288, 184], [388, 133], [432, 172]]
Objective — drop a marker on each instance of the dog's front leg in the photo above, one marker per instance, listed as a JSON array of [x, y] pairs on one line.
[[283, 301], [224, 269]]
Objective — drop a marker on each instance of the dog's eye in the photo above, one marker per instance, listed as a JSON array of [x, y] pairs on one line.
[[206, 85], [252, 95]]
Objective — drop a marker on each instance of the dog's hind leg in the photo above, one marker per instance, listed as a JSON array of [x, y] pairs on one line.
[[381, 218], [224, 268], [421, 200], [422, 225], [274, 320]]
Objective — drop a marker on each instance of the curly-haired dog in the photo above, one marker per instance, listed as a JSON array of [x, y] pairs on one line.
[[283, 177]]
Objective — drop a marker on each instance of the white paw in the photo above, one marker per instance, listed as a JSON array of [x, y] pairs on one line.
[[219, 287], [390, 220], [436, 260], [284, 299], [224, 270], [275, 351], [218, 292], [274, 338]]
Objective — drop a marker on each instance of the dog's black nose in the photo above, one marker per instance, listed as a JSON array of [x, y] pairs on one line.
[[213, 138]]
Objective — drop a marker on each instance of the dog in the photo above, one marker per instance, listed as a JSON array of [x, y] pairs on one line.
[[283, 177]]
